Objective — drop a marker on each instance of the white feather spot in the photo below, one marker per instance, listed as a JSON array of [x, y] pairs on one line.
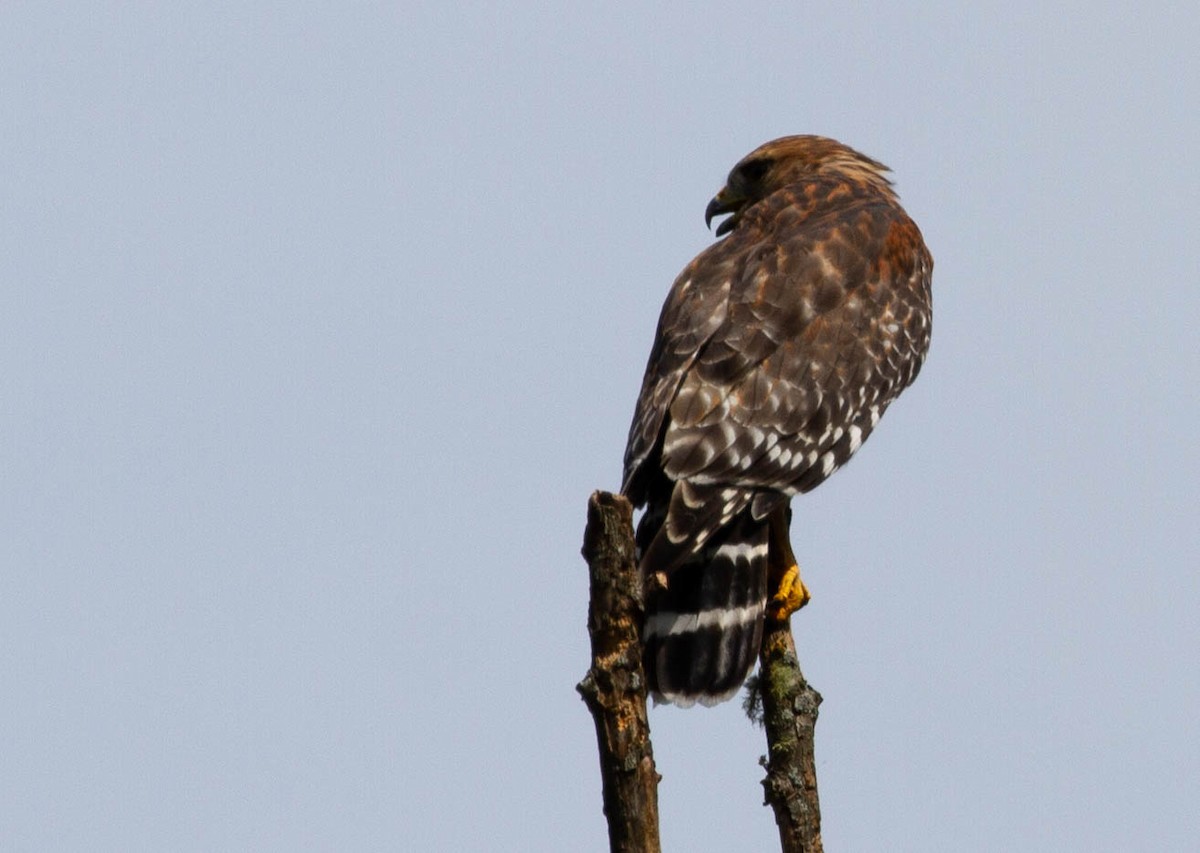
[[855, 437]]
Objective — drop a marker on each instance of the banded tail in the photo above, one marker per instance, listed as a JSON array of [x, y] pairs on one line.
[[703, 630]]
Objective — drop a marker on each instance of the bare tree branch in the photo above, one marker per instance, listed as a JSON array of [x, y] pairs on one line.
[[615, 686], [789, 711]]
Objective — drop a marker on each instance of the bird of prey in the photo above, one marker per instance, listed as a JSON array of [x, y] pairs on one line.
[[778, 350]]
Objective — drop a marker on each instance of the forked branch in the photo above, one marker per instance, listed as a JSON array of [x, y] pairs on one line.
[[615, 692]]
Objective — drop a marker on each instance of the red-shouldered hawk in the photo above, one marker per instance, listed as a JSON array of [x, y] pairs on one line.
[[778, 349]]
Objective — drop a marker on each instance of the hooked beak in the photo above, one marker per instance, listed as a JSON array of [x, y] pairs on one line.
[[722, 203]]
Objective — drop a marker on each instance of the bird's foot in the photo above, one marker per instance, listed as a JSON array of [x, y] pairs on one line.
[[790, 597]]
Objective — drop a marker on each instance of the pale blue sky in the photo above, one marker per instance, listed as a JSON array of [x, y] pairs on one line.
[[320, 322]]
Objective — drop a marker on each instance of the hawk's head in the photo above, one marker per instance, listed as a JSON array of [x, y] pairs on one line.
[[789, 160]]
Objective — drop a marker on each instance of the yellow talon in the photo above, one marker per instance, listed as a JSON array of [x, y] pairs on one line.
[[791, 596]]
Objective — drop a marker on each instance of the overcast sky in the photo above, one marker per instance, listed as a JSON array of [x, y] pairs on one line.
[[319, 323]]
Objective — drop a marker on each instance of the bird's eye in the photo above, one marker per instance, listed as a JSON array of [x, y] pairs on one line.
[[754, 170]]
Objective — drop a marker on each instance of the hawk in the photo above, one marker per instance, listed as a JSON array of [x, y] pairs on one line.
[[778, 350]]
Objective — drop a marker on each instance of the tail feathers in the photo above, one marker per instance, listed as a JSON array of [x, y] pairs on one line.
[[702, 633]]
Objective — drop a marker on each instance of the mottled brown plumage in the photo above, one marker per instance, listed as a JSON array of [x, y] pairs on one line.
[[778, 349]]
